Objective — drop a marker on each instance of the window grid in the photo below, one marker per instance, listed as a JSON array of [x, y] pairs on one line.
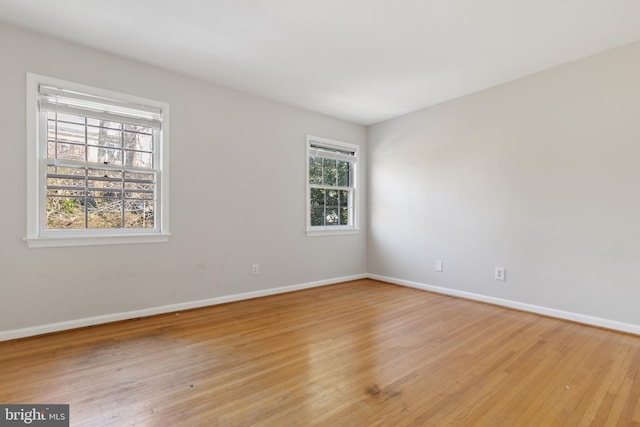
[[330, 200], [100, 183]]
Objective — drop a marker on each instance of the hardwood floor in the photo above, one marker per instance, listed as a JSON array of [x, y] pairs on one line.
[[354, 354]]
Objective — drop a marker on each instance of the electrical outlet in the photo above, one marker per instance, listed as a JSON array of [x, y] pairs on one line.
[[500, 273], [255, 269], [438, 265]]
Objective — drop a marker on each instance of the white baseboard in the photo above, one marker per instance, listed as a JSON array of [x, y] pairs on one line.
[[96, 320], [546, 311]]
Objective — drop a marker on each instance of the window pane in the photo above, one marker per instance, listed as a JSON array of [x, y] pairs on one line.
[[107, 179], [66, 171], [67, 152], [344, 198], [69, 132], [63, 179], [107, 156], [62, 183], [139, 190], [105, 188], [315, 170], [343, 173], [139, 186], [330, 171], [344, 216], [104, 213], [317, 216], [138, 159], [93, 136], [139, 214], [317, 197], [332, 216], [138, 141], [104, 137], [65, 212], [105, 173], [332, 198]]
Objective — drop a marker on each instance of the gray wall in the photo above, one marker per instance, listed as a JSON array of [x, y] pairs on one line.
[[540, 175], [237, 197]]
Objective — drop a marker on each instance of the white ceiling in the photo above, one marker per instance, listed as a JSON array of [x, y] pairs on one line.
[[360, 60]]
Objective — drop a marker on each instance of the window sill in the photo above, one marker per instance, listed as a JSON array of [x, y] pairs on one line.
[[56, 242], [332, 232]]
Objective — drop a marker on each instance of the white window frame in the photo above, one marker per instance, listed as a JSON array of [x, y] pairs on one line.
[[37, 234], [327, 230]]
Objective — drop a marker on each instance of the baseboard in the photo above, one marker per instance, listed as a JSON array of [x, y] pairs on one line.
[[546, 311], [96, 320]]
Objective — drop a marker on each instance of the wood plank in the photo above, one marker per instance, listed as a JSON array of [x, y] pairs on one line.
[[361, 353]]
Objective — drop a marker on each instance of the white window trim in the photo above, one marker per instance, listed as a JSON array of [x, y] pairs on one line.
[[35, 237], [333, 230]]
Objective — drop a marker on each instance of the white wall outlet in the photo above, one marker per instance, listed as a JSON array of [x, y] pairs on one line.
[[501, 273], [255, 269], [438, 265]]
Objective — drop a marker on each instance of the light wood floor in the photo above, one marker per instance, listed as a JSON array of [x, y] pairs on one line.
[[354, 354]]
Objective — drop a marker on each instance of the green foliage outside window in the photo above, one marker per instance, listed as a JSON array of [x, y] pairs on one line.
[[329, 206]]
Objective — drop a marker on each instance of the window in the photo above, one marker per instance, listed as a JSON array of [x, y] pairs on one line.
[[97, 166], [331, 186]]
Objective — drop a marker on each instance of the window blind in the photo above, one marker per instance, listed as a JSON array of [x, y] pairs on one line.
[[80, 104], [330, 152]]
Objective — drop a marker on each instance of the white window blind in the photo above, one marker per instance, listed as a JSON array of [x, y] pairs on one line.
[[75, 103]]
